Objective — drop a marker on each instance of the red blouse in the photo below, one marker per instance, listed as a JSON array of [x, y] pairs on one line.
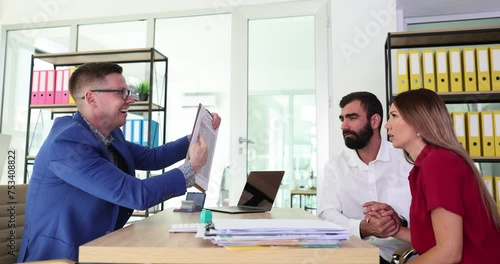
[[442, 179]]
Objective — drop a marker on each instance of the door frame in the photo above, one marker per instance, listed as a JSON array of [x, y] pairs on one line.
[[239, 82]]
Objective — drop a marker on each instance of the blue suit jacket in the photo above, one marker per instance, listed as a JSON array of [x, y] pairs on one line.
[[76, 194]]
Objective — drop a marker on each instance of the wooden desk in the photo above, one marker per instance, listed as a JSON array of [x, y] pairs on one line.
[[148, 241]]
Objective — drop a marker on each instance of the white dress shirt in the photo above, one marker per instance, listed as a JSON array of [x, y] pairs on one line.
[[348, 183]]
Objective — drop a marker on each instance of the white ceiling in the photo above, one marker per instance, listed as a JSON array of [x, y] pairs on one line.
[[423, 8]]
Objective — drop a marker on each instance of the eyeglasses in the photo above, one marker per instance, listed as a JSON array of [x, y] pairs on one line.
[[124, 94]]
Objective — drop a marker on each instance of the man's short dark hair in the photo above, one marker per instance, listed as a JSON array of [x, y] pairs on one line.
[[90, 74], [368, 101]]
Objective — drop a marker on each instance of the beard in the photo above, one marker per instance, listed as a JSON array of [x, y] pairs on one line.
[[358, 140]]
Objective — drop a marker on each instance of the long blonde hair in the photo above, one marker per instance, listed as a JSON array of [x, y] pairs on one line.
[[425, 110]]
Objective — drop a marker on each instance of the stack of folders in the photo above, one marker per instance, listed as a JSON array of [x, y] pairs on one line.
[[497, 191], [51, 87], [478, 132], [449, 70], [274, 232], [493, 186], [136, 131]]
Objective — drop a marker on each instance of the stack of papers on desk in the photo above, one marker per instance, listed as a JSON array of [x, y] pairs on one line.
[[275, 232]]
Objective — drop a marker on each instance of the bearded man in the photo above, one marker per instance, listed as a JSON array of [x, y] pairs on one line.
[[368, 170]]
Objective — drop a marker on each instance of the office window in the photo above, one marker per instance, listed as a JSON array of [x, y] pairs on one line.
[[119, 35], [281, 101], [199, 50], [21, 44]]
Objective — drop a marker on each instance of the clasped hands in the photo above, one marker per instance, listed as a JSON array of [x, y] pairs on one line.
[[381, 220], [198, 152]]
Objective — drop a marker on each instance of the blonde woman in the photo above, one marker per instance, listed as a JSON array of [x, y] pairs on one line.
[[454, 219]]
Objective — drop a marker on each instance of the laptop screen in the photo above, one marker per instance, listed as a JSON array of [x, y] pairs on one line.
[[261, 188]]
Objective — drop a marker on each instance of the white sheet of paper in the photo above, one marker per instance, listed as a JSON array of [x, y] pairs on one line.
[[203, 126], [276, 224], [275, 232]]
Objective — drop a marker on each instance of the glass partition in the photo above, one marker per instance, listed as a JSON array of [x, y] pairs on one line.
[[21, 44], [199, 52], [118, 35], [281, 102]]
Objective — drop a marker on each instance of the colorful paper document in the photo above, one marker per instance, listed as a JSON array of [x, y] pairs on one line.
[[274, 232]]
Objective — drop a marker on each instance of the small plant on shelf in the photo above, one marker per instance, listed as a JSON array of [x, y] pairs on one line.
[[143, 90]]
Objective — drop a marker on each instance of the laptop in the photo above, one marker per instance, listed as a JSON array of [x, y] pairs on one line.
[[258, 194]]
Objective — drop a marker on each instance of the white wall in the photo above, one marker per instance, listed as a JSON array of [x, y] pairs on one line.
[[358, 52], [36, 12]]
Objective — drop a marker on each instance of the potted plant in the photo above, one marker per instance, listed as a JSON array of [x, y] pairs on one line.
[[143, 90]]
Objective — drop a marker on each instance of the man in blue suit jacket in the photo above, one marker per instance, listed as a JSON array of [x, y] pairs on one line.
[[83, 184]]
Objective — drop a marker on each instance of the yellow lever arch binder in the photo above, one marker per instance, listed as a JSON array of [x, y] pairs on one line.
[[473, 134]]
